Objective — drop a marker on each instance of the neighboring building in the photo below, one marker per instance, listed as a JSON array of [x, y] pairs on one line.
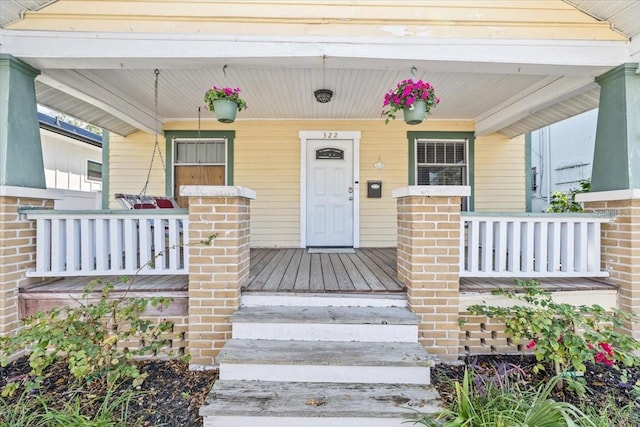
[[561, 157], [72, 163]]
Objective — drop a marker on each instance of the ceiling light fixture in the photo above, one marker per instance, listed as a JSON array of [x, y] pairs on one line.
[[323, 95]]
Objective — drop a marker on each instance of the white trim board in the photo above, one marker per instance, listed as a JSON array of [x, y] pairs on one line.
[[328, 135]]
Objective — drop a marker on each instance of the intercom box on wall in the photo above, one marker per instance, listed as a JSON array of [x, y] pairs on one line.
[[374, 189]]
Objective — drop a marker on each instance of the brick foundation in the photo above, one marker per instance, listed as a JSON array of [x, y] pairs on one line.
[[17, 255], [217, 270], [621, 246], [428, 262]]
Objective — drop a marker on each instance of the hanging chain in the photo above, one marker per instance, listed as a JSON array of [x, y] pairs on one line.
[[156, 145], [199, 124]]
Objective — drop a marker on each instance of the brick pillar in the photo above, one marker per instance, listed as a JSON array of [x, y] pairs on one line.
[[620, 244], [217, 270], [17, 250], [429, 262]]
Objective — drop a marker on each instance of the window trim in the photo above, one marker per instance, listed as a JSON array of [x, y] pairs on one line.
[[444, 135], [175, 154], [194, 134]]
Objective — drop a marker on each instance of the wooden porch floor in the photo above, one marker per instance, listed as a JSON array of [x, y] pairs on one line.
[[308, 270], [283, 270]]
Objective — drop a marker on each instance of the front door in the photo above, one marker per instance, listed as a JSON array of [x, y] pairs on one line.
[[330, 192]]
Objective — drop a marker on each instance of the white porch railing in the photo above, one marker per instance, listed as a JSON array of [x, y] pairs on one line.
[[530, 245], [100, 243]]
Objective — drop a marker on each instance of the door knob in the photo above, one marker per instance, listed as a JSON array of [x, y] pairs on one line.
[[350, 190], [350, 197]]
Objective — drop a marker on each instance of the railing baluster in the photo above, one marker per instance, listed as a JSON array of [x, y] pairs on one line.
[[530, 245], [567, 249], [102, 245], [501, 247], [487, 247], [43, 247], [541, 236], [86, 243], [146, 242], [474, 245]]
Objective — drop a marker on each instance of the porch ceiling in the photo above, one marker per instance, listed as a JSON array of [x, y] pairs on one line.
[[520, 88]]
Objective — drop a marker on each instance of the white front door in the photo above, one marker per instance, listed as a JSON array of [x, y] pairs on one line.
[[330, 193]]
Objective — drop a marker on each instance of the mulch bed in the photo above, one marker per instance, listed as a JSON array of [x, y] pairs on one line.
[[605, 384], [172, 395]]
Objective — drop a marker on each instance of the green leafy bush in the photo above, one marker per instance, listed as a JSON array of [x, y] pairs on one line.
[[87, 337], [566, 335], [566, 202]]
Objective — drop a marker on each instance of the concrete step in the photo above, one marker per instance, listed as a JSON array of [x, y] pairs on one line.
[[364, 324], [325, 361], [258, 299], [278, 404]]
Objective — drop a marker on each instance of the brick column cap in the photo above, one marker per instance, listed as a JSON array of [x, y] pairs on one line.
[[30, 193], [608, 196], [216, 191], [432, 191]]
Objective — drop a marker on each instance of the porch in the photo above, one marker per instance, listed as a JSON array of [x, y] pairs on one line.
[[295, 270], [202, 259]]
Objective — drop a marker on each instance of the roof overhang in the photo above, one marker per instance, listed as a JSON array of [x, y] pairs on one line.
[[550, 72]]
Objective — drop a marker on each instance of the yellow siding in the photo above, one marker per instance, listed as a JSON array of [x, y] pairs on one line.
[[129, 160], [267, 160], [500, 174], [536, 19]]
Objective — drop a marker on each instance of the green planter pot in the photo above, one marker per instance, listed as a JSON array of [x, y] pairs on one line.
[[225, 110], [415, 114]]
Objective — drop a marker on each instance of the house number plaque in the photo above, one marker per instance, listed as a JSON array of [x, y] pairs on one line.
[[329, 153]]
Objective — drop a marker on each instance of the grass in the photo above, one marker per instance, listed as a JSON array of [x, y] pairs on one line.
[[507, 404], [32, 410]]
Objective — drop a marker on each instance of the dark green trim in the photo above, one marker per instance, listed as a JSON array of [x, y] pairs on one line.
[[628, 69], [617, 148], [413, 135], [105, 169], [171, 134], [21, 162], [527, 175], [19, 65]]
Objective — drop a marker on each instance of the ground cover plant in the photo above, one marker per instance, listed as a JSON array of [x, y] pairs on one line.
[[84, 367], [582, 346], [497, 383], [565, 335]]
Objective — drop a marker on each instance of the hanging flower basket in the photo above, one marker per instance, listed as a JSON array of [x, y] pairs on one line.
[[225, 102], [415, 99]]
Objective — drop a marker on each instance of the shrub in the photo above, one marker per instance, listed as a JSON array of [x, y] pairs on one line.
[[566, 335], [565, 202], [86, 337]]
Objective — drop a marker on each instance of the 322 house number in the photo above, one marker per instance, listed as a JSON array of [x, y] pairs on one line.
[[329, 135]]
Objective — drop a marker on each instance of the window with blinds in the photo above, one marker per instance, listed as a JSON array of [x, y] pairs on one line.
[[200, 151], [441, 162]]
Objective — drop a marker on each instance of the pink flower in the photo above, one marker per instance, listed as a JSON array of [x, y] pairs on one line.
[[531, 344], [606, 347]]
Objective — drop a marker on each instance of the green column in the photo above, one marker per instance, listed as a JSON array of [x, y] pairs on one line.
[[21, 163], [616, 158]]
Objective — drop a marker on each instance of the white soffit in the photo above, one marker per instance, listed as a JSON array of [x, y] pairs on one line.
[[60, 101], [624, 15], [569, 108], [11, 10]]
